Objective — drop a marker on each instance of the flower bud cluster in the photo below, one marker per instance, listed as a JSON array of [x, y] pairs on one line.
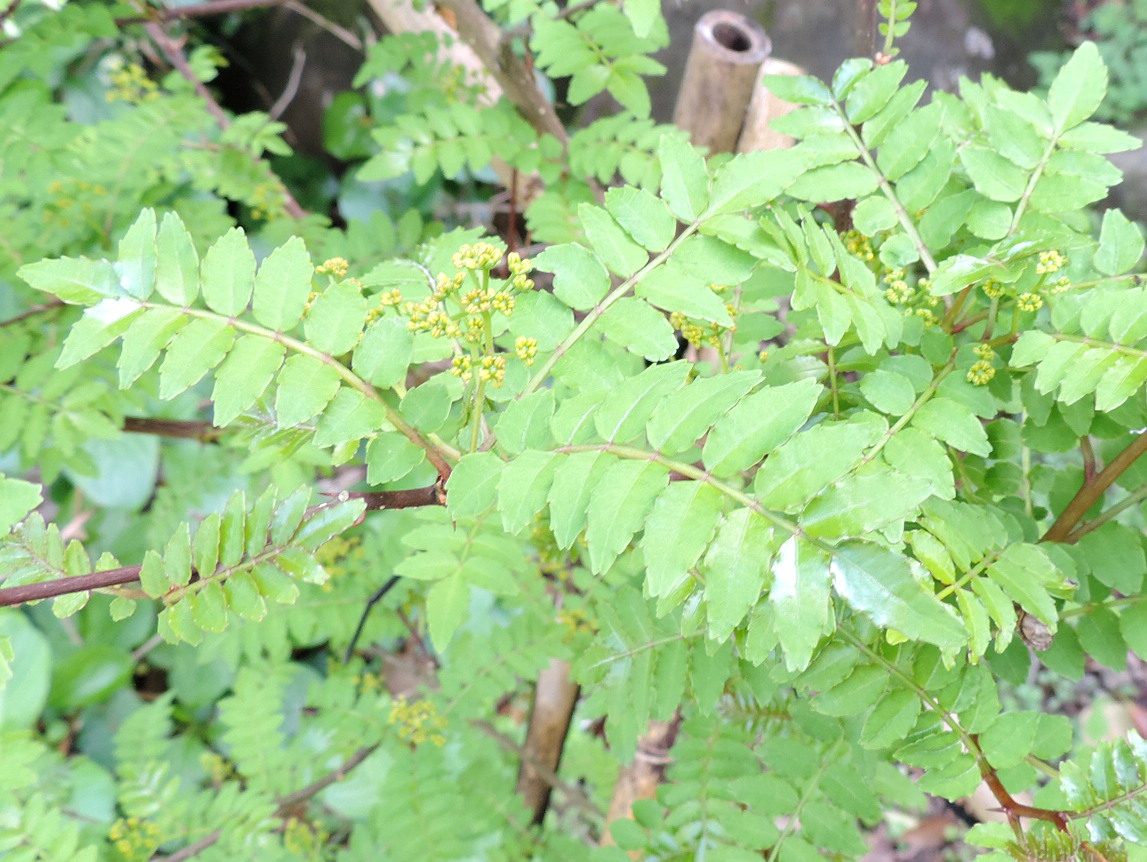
[[417, 721], [704, 333], [982, 371]]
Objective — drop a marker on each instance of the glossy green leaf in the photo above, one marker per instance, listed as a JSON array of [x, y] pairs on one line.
[[446, 605], [389, 457], [680, 419], [17, 499], [523, 488], [195, 350], [952, 423], [1120, 244], [473, 484], [735, 567], [796, 471], [136, 258], [74, 280], [574, 481], [644, 217], [350, 416], [801, 594], [879, 584]]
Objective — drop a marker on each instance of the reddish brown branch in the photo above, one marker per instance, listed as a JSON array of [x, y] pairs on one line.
[[291, 800], [204, 432], [1089, 494], [1016, 810], [191, 849], [63, 586], [375, 500]]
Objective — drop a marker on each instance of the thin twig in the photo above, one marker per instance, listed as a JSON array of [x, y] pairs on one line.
[[341, 33], [191, 849], [197, 10], [33, 311], [291, 88], [315, 787]]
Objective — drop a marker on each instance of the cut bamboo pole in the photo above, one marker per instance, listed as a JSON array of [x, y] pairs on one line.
[[727, 50], [764, 107]]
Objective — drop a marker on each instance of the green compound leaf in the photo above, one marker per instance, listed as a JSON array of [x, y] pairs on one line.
[[735, 569], [334, 322], [757, 425], [684, 178], [245, 375], [879, 584], [639, 328], [677, 533], [17, 499], [305, 386], [580, 279], [1120, 244], [801, 594], [473, 484], [228, 274], [177, 263], [622, 498], [283, 285], [614, 247], [136, 259], [644, 217], [1078, 88]]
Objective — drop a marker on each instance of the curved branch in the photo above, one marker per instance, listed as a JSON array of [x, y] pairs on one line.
[[375, 500]]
